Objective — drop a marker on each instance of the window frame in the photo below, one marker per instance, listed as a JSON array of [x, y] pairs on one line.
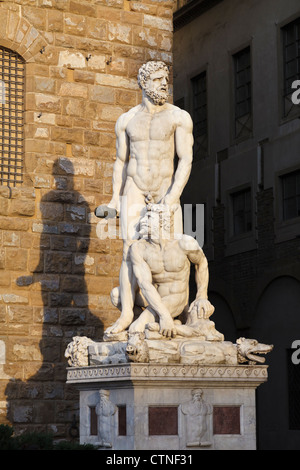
[[243, 242], [233, 194], [284, 198], [15, 160], [200, 156], [285, 229], [233, 54], [296, 113]]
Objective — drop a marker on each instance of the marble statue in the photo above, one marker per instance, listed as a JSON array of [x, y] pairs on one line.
[[77, 351], [156, 323], [140, 349], [197, 426], [147, 138], [105, 411], [161, 265]]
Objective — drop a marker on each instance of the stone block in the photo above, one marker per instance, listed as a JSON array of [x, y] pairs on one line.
[[75, 24], [58, 262], [4, 279], [3, 206], [13, 224], [22, 207], [74, 90], [35, 16], [63, 243], [47, 103], [111, 113], [117, 82], [59, 299], [83, 8], [16, 259], [74, 60], [120, 33], [73, 316], [91, 138], [12, 25], [97, 29], [143, 7], [103, 94], [63, 134], [25, 350], [74, 284], [144, 37], [20, 314], [22, 413], [55, 21], [46, 282]]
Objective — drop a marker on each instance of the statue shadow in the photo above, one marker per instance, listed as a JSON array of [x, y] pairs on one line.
[[44, 401]]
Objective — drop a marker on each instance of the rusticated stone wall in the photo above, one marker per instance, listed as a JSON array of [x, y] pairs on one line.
[[56, 274]]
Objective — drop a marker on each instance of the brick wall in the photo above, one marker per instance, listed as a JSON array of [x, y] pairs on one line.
[[56, 274]]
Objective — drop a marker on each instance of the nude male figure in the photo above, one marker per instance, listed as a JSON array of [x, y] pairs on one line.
[[162, 269], [147, 138]]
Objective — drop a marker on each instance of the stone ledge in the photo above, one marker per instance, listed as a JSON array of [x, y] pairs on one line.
[[219, 375]]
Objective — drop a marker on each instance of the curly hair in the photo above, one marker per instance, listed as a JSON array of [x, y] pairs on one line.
[[148, 68]]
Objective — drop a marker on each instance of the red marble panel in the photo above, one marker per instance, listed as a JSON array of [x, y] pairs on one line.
[[226, 420], [122, 420], [93, 421], [163, 420]]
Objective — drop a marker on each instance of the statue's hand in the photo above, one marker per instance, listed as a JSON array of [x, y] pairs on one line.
[[173, 206], [105, 211], [167, 327], [203, 307]]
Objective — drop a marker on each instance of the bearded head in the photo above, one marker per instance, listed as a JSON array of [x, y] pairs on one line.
[[146, 79]]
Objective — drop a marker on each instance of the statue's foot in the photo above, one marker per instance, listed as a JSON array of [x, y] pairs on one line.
[[117, 332], [119, 326]]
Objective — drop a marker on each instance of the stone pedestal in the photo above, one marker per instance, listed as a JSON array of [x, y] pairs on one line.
[[168, 406]]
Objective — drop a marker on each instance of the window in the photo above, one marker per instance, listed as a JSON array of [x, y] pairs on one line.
[[291, 65], [241, 212], [242, 94], [291, 195], [12, 71], [200, 116]]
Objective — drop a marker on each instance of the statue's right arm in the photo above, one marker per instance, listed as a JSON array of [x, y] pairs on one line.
[[122, 158]]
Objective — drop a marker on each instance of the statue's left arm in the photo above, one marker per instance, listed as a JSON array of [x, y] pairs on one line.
[[184, 149], [197, 257]]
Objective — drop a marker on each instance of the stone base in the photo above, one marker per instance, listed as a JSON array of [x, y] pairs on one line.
[[157, 407]]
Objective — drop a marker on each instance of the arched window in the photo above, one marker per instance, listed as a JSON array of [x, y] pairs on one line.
[[12, 75]]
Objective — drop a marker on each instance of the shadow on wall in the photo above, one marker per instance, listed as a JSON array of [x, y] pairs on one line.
[[43, 402]]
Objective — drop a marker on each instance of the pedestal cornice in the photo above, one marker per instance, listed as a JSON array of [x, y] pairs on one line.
[[160, 374]]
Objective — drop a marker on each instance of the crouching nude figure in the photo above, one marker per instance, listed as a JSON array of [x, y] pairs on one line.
[[161, 265]]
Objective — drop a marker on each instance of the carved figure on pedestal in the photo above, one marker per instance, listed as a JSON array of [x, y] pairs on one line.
[[148, 136], [197, 414], [105, 411], [161, 265]]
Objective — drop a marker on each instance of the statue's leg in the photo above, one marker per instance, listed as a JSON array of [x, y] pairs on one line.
[[127, 289], [132, 207], [138, 326]]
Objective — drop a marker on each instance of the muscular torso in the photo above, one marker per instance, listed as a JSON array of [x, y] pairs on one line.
[[170, 274], [151, 137]]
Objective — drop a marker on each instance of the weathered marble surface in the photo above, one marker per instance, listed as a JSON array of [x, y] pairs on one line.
[[138, 349], [147, 138], [170, 360], [194, 393]]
